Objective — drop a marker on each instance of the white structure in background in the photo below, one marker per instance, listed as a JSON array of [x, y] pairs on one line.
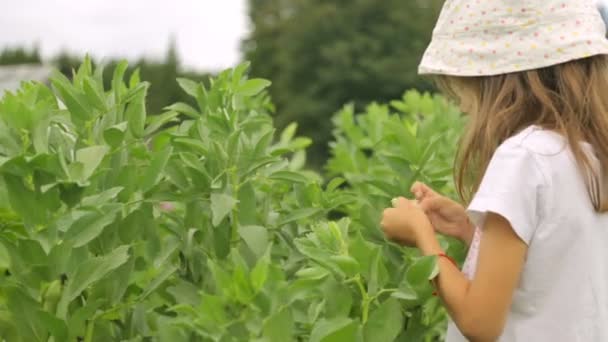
[[11, 76]]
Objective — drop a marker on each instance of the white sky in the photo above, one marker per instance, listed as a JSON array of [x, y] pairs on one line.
[[207, 32]]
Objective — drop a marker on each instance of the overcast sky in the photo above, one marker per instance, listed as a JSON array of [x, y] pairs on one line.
[[207, 32]]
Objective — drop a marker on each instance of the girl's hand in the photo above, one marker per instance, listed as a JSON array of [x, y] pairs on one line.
[[406, 222], [447, 216]]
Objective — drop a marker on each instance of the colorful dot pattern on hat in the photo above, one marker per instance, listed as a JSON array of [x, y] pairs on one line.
[[485, 37]]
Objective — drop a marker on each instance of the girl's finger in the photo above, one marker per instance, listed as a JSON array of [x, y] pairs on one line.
[[421, 190], [402, 201], [430, 204], [435, 219]]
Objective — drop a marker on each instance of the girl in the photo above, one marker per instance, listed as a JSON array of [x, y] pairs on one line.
[[532, 167]]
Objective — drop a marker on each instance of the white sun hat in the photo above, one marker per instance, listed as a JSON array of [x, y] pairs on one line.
[[491, 37]]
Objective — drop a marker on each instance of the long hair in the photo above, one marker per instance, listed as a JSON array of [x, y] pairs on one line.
[[569, 98]]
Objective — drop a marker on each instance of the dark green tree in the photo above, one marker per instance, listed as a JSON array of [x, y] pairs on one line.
[[321, 54], [20, 55]]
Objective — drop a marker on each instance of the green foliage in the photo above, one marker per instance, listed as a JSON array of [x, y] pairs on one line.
[[164, 89], [321, 54], [115, 226]]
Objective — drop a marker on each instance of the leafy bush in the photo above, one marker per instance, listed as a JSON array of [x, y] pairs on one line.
[[200, 224]]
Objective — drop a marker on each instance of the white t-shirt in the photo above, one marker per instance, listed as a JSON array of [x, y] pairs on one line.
[[533, 181]]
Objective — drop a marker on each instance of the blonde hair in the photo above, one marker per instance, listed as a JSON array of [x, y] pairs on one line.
[[569, 98]]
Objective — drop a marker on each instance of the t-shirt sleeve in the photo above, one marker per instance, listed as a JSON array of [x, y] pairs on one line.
[[511, 187]]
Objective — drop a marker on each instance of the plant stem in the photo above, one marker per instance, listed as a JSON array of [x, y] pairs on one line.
[[235, 223], [88, 336], [365, 310], [383, 291], [365, 301]]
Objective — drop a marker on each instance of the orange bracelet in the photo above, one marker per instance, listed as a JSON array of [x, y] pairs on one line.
[[451, 260]]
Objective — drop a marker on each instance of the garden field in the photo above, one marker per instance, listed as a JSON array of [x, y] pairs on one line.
[[203, 223]]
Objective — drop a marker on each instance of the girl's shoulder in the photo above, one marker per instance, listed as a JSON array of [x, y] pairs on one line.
[[538, 141]]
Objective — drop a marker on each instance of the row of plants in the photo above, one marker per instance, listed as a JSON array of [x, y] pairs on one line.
[[203, 223]]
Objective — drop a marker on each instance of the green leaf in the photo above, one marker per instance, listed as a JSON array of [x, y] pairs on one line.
[[405, 293], [364, 252], [114, 135], [233, 144], [289, 176], [166, 272], [299, 214], [422, 270], [53, 325], [101, 198], [247, 205], [243, 290], [75, 101], [338, 299], [378, 274], [184, 108], [9, 145], [136, 115], [335, 183], [347, 264], [113, 287], [308, 248], [222, 237], [385, 323], [155, 122], [259, 274], [221, 205], [288, 133], [314, 273], [80, 316], [30, 253], [279, 326], [24, 309], [154, 172], [90, 226], [340, 329], [7, 327], [95, 97], [90, 157], [253, 87], [135, 92], [173, 333], [193, 143], [256, 238], [88, 272], [135, 79], [185, 292], [190, 87], [223, 281], [117, 80], [262, 144], [22, 200], [238, 72], [214, 308], [40, 135]]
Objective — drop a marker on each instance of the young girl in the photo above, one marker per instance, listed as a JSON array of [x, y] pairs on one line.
[[532, 166]]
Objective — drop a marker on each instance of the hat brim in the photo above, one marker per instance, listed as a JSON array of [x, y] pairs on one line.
[[478, 50]]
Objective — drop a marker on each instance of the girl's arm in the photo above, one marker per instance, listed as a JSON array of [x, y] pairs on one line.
[[479, 307]]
